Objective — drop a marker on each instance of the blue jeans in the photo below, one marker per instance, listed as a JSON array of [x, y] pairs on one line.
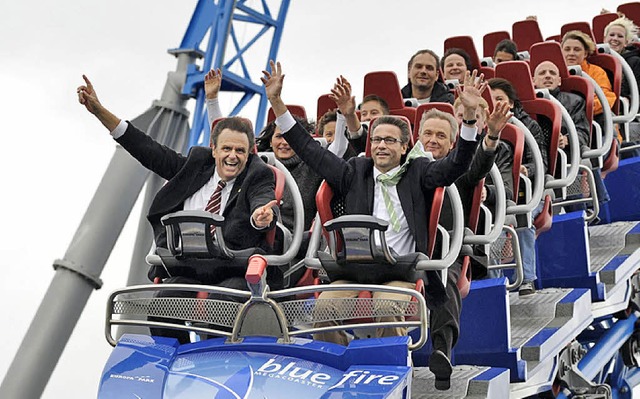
[[527, 238]]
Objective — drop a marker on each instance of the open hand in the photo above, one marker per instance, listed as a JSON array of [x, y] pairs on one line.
[[273, 80], [341, 94], [263, 216], [498, 118], [212, 83], [470, 92]]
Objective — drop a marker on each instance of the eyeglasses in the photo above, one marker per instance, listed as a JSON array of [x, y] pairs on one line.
[[387, 140]]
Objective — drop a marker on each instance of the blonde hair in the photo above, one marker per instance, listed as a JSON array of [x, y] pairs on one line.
[[583, 38], [483, 104], [626, 24]]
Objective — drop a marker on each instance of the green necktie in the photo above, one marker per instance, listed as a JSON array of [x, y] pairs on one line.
[[393, 179]]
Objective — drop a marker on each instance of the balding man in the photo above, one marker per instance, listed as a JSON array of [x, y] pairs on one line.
[[547, 76]]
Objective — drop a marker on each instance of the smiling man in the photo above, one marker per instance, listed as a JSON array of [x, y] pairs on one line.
[[385, 188], [423, 70], [226, 179]]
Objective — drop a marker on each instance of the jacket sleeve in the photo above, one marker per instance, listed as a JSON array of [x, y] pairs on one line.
[[447, 170], [600, 76], [579, 116], [335, 170], [262, 187], [543, 145], [504, 161], [480, 166], [154, 156]]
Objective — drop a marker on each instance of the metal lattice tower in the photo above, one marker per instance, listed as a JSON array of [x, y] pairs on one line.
[[236, 35]]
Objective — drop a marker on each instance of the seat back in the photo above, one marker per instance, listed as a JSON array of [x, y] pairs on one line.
[[581, 26], [466, 43], [551, 51], [600, 22], [279, 192], [491, 40], [325, 103], [631, 10], [545, 111], [385, 84], [525, 34], [422, 108], [612, 67], [515, 138], [297, 110]]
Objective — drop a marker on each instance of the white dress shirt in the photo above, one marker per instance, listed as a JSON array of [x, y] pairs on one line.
[[401, 241]]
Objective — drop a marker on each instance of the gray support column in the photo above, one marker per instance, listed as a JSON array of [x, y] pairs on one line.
[[76, 276]]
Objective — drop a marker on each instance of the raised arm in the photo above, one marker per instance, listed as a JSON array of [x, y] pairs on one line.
[[212, 83], [341, 94], [87, 96]]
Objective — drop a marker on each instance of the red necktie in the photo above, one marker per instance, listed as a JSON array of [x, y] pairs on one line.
[[215, 201]]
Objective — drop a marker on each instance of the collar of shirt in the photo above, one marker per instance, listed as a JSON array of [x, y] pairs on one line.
[[377, 173]]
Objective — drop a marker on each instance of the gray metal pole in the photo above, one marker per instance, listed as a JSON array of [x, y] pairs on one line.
[[78, 273], [76, 276]]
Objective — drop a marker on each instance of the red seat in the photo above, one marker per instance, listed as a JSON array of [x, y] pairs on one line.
[[297, 110], [631, 10], [422, 108], [385, 84], [583, 27], [325, 103], [600, 22], [525, 34], [512, 135], [612, 66], [491, 40], [466, 43], [519, 74], [555, 38], [551, 51]]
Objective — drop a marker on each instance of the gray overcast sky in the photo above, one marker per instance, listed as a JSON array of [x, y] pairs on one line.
[[55, 153]]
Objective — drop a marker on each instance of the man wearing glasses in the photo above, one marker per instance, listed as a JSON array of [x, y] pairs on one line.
[[385, 188]]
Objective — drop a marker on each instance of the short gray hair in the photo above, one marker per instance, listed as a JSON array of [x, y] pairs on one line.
[[434, 113]]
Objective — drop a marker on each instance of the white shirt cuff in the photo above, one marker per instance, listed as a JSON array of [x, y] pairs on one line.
[[468, 133], [360, 132], [119, 130], [285, 122]]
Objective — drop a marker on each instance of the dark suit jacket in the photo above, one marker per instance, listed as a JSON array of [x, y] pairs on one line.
[[353, 180], [253, 188]]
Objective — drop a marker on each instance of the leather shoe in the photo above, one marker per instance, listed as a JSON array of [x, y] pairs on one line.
[[441, 368]]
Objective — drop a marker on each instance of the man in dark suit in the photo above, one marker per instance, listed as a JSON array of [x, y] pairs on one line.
[[404, 203], [244, 183]]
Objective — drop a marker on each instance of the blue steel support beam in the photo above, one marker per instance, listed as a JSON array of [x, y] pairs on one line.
[[220, 20]]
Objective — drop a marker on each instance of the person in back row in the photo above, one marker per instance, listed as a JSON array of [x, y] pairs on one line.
[[618, 34], [576, 47], [455, 62], [381, 187], [506, 50], [424, 70], [547, 76]]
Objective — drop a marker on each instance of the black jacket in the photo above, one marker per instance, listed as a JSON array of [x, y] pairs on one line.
[[631, 54], [254, 187], [538, 135], [439, 94], [575, 105]]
